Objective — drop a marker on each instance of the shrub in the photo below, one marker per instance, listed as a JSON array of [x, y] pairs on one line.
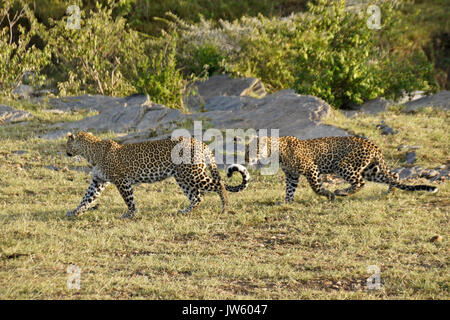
[[344, 63], [207, 59], [338, 63], [17, 56], [160, 79], [99, 57]]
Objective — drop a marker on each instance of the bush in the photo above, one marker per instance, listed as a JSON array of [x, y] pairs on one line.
[[99, 57], [207, 60], [160, 79], [344, 63], [338, 63], [255, 47], [17, 56]]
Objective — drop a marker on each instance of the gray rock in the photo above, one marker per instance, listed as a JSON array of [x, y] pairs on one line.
[[419, 172], [411, 157], [124, 114], [432, 174], [371, 107], [439, 100], [385, 129], [293, 114], [94, 102], [11, 115], [407, 173], [223, 85], [55, 134], [23, 91], [20, 152]]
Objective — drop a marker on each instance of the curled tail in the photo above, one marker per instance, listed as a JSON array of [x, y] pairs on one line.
[[245, 177]]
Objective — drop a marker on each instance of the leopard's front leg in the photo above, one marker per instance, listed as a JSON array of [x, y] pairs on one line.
[[93, 192]]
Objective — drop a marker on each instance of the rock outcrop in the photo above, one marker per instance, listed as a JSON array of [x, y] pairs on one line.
[[11, 115]]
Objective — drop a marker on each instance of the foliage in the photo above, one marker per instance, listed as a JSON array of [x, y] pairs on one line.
[[160, 78], [18, 57], [99, 57], [344, 64], [326, 51]]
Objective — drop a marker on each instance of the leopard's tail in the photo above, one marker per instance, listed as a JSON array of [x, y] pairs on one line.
[[245, 177], [419, 187], [382, 173]]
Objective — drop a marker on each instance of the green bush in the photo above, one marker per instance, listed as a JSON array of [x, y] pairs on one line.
[[160, 79], [338, 62], [344, 63], [17, 56], [206, 59], [99, 57]]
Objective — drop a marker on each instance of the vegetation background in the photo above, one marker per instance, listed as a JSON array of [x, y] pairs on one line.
[[318, 47]]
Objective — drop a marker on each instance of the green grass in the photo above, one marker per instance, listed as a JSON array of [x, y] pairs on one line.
[[310, 249]]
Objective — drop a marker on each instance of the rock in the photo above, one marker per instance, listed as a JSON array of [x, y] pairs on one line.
[[94, 102], [411, 157], [408, 173], [23, 91], [439, 100], [11, 115], [440, 173], [223, 85], [19, 152], [371, 107], [293, 114], [385, 129], [123, 115], [52, 167], [432, 174]]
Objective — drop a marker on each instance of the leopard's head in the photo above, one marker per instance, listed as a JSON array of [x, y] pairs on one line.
[[76, 144]]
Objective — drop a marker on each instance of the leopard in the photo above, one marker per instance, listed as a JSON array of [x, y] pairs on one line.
[[126, 165], [352, 158]]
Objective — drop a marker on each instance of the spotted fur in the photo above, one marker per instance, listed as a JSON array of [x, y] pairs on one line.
[[352, 158], [148, 162]]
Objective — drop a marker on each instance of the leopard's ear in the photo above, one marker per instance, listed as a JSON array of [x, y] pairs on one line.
[[70, 136]]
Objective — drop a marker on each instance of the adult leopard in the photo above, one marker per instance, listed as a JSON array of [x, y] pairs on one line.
[[148, 162], [352, 158]]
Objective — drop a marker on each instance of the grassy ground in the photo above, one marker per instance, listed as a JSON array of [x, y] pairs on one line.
[[311, 249]]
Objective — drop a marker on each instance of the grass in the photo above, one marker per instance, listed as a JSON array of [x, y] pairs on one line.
[[310, 249]]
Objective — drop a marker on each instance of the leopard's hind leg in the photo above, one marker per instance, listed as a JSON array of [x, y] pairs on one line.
[[316, 184], [291, 186], [378, 172], [353, 176], [194, 195]]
